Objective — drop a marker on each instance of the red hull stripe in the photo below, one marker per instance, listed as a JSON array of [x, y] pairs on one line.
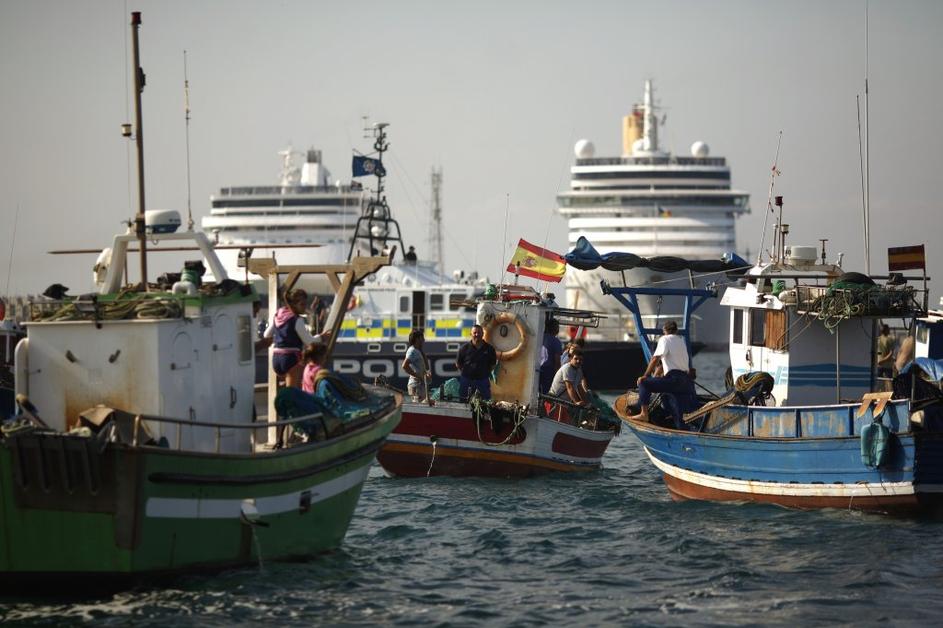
[[408, 460], [682, 489], [458, 428], [579, 447]]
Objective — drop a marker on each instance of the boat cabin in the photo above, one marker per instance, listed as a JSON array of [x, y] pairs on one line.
[[399, 298], [811, 326], [183, 349]]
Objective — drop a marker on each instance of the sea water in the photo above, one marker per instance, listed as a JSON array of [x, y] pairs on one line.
[[602, 549]]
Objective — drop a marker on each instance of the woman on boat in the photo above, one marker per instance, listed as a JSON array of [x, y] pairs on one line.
[[416, 365], [291, 335]]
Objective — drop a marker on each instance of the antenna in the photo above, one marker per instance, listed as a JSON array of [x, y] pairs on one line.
[[186, 117], [139, 80], [864, 202], [376, 221], [769, 200], [435, 225], [16, 219], [867, 146]]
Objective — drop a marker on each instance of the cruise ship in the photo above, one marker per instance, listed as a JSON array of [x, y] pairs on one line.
[[308, 215], [652, 203]]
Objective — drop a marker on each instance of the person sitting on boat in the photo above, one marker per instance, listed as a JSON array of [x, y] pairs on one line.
[[885, 352], [569, 381], [416, 365], [579, 343], [475, 362], [671, 354], [313, 358], [411, 255], [550, 354]]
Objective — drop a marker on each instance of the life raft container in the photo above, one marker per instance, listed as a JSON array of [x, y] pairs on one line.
[[495, 325]]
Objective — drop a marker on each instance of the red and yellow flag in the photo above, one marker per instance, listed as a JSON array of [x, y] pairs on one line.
[[533, 261], [906, 258]]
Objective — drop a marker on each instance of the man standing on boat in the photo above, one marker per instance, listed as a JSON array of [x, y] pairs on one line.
[[475, 362], [672, 354], [885, 352]]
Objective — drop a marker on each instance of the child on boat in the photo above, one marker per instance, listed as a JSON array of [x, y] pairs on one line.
[[313, 358], [291, 335]]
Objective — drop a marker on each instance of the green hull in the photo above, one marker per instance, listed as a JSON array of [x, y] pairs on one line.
[[124, 512]]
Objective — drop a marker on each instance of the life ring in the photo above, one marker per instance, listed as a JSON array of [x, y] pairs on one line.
[[494, 325]]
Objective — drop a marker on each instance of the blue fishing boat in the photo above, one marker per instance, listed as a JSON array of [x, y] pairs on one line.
[[802, 423]]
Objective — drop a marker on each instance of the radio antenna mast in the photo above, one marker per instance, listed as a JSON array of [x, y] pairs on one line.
[[435, 225], [186, 117]]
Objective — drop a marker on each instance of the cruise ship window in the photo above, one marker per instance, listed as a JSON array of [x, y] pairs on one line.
[[436, 302], [757, 327], [737, 337]]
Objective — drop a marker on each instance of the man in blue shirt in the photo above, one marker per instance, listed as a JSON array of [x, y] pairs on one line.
[[475, 362], [550, 353]]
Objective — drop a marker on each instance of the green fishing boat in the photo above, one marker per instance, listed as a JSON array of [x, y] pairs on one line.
[[137, 450]]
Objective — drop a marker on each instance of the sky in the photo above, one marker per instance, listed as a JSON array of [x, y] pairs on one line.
[[495, 93]]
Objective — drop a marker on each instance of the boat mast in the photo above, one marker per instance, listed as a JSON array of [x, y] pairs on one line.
[[139, 80], [435, 225], [376, 222]]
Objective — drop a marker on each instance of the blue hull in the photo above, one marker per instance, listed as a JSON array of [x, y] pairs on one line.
[[798, 457]]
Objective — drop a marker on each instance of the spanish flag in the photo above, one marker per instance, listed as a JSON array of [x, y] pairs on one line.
[[533, 261], [906, 258]]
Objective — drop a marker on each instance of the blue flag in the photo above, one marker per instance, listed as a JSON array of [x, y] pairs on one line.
[[364, 166]]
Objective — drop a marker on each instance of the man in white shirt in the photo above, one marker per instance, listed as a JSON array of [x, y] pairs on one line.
[[672, 353]]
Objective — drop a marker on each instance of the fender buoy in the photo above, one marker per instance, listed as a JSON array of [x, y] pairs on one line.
[[493, 326]]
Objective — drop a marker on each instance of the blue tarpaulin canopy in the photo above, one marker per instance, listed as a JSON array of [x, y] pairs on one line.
[[584, 256], [933, 368]]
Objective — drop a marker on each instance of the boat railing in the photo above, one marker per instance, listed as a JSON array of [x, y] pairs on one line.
[[877, 301], [565, 411], [289, 189], [136, 440], [138, 305]]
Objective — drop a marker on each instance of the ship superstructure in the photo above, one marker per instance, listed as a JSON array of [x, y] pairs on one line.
[[307, 209], [652, 203]]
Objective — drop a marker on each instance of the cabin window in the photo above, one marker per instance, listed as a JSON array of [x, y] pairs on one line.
[[404, 304], [757, 327], [923, 334], [244, 338], [737, 337], [436, 302], [776, 330]]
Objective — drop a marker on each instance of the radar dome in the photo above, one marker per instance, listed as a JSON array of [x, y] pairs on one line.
[[584, 149], [700, 149]]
